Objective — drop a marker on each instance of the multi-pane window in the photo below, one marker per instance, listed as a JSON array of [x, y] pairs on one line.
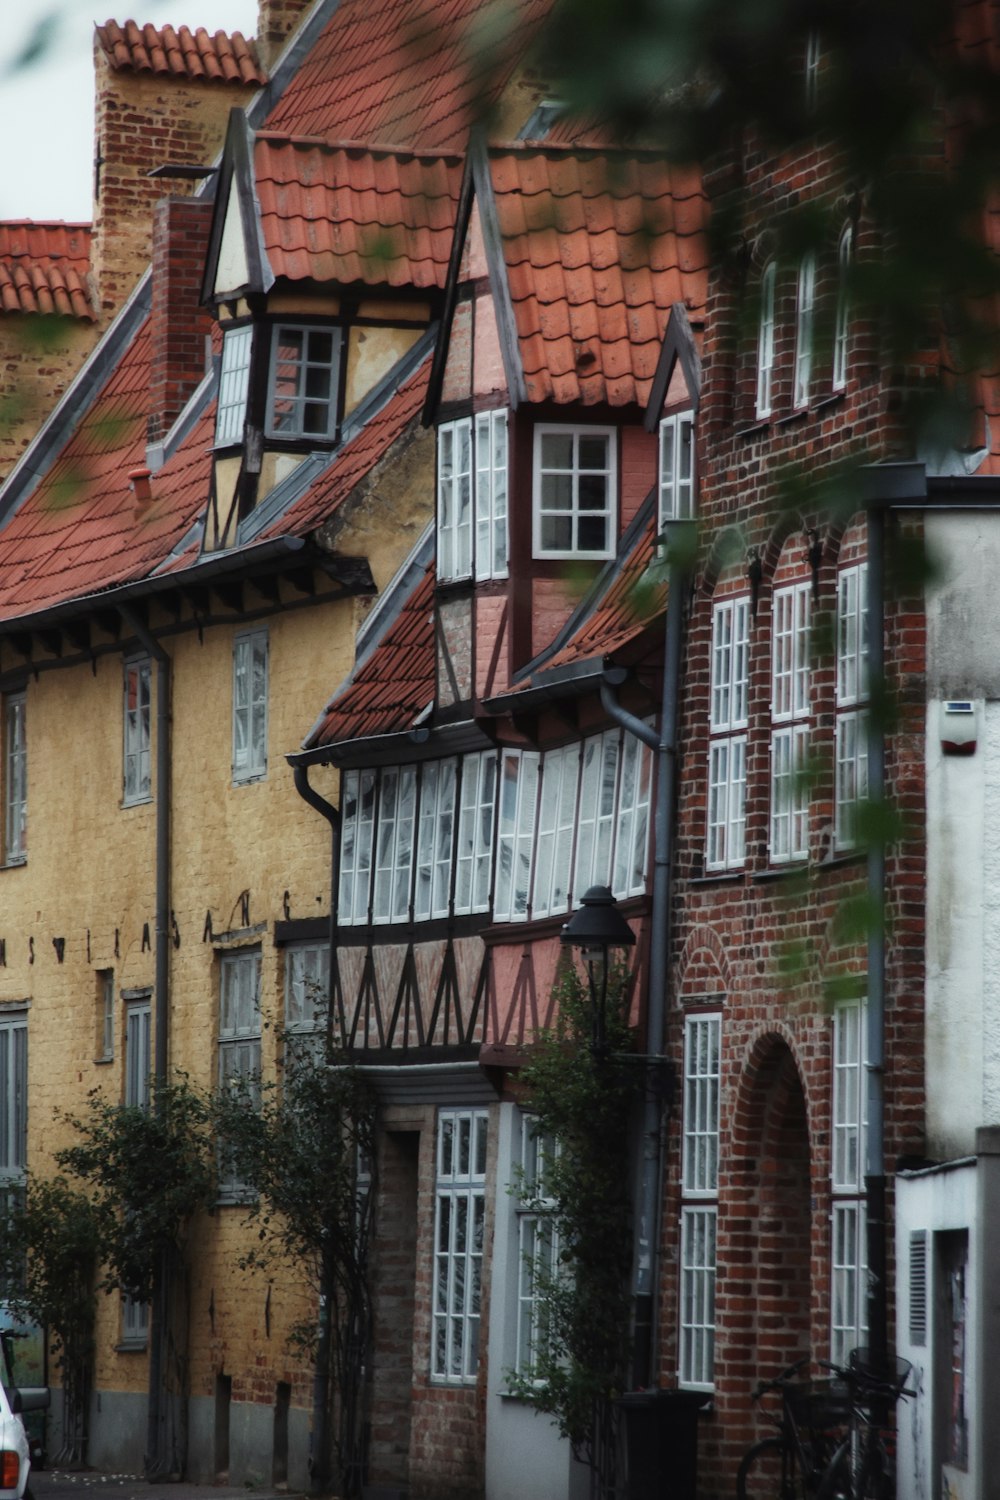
[[435, 840], [852, 696], [250, 706], [790, 705], [459, 1234], [699, 1188], [804, 333], [138, 1036], [848, 1270], [677, 468], [516, 823], [239, 1038], [575, 481], [398, 840], [472, 497], [303, 389], [474, 853], [557, 813], [538, 1246], [13, 1097], [135, 757], [135, 1323], [842, 315], [234, 380], [105, 1014], [307, 975], [727, 754], [765, 341], [15, 780]]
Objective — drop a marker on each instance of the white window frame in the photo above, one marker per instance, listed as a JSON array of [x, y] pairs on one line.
[[728, 720], [395, 831], [765, 341], [15, 779], [454, 500], [135, 1323], [435, 839], [557, 815], [137, 783], [849, 1145], [358, 799], [842, 315], [790, 711], [537, 1243], [517, 810], [459, 1242], [851, 735], [543, 508], [699, 1198], [307, 985], [13, 1098], [476, 818], [239, 1037], [138, 1050], [491, 494], [250, 706], [234, 384], [677, 476], [293, 424], [805, 312]]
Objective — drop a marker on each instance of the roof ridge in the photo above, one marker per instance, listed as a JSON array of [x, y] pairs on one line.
[[356, 147]]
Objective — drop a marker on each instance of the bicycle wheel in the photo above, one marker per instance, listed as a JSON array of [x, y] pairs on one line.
[[769, 1472], [875, 1481]]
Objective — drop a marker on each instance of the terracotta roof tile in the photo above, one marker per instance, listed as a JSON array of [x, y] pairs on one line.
[[345, 213], [44, 268], [182, 53], [395, 684], [399, 74], [598, 246]]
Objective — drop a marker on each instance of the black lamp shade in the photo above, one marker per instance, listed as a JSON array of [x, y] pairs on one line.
[[598, 923]]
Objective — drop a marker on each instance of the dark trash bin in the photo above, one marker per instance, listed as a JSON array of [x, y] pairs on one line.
[[661, 1443]]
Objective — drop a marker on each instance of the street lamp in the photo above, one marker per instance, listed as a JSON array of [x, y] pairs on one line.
[[595, 927]]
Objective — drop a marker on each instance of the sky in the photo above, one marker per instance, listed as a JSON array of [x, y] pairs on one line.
[[47, 92]]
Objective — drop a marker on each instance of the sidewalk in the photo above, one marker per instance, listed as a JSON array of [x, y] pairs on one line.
[[73, 1484]]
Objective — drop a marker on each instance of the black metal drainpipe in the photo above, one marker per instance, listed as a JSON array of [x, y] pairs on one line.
[[876, 1229], [158, 1461], [664, 744], [321, 1393]]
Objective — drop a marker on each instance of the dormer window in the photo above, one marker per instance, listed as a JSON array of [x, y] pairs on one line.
[[234, 381], [472, 506], [302, 391], [677, 468], [576, 509]]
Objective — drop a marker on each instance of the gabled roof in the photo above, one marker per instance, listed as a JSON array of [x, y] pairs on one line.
[[44, 268], [345, 213], [404, 73], [592, 249], [395, 684], [182, 53]]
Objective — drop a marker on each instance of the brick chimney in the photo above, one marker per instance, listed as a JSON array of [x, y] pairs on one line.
[[162, 97], [276, 20], [179, 326]]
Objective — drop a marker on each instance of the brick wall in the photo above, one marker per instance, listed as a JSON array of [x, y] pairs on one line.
[[179, 326], [761, 943]]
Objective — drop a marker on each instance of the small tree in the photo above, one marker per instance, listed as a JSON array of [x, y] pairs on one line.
[[582, 1096], [295, 1144], [49, 1253]]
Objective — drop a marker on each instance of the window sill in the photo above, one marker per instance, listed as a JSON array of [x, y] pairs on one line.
[[132, 1346], [786, 870], [252, 778], [136, 802], [797, 414], [103, 1062], [755, 428], [17, 863], [720, 877]]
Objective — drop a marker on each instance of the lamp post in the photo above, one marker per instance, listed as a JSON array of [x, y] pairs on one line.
[[595, 928]]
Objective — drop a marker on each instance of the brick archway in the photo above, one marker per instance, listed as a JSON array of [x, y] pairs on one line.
[[765, 1223]]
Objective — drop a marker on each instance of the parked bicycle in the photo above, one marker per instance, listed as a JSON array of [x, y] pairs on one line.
[[863, 1464], [810, 1425]]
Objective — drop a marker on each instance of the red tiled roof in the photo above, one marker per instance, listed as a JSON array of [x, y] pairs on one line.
[[402, 73], [345, 213], [44, 268], [395, 684], [78, 533], [182, 53], [597, 246]]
